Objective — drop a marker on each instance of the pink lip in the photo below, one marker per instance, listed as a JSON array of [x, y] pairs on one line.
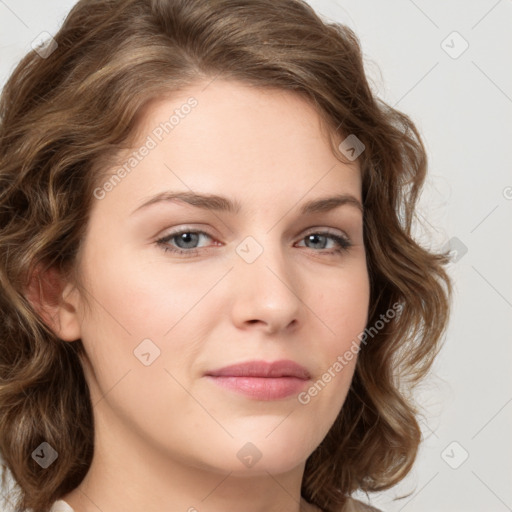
[[262, 380]]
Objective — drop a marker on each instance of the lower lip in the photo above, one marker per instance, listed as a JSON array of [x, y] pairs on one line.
[[262, 388]]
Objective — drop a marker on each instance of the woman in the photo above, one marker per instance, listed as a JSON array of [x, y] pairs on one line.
[[211, 297]]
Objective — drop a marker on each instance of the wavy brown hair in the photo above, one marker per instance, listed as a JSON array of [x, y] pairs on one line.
[[65, 116]]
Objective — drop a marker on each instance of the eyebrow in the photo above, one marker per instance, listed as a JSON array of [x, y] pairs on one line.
[[218, 203]]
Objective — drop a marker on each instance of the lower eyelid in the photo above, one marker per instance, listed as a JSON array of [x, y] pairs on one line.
[[342, 242]]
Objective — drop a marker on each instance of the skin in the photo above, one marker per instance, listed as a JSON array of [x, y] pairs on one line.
[[166, 438]]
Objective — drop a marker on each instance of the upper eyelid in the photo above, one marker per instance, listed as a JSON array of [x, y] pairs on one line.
[[312, 230]]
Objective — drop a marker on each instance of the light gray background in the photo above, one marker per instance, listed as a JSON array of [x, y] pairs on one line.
[[462, 105]]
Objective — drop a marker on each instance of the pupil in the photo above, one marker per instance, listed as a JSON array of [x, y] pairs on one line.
[[314, 238], [186, 238]]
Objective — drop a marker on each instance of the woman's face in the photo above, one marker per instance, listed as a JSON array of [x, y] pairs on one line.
[[272, 278]]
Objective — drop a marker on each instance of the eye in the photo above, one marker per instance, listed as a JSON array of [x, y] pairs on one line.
[[321, 238], [185, 242]]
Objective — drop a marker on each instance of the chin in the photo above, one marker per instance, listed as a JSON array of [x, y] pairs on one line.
[[253, 455]]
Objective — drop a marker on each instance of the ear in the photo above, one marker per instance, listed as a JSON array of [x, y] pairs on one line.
[[56, 302]]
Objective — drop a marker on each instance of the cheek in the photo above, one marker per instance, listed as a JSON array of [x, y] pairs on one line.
[[142, 321], [138, 300], [344, 309]]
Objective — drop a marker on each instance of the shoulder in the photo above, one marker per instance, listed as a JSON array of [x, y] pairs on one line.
[[61, 506], [353, 505]]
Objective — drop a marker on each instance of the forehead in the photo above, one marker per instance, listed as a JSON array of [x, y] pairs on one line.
[[235, 138]]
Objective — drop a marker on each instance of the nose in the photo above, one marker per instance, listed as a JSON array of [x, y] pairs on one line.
[[265, 292]]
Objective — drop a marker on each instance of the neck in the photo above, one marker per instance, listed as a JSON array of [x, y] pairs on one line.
[[146, 478]]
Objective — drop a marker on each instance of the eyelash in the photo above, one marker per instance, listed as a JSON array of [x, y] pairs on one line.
[[343, 242]]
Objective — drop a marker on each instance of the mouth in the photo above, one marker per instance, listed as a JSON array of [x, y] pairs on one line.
[[262, 380]]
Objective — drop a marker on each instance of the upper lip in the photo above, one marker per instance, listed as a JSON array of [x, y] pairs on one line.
[[275, 369]]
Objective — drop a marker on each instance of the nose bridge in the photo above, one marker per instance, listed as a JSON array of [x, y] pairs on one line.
[[266, 285], [262, 255]]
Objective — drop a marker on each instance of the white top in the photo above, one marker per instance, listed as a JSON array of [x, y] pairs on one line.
[[61, 506]]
